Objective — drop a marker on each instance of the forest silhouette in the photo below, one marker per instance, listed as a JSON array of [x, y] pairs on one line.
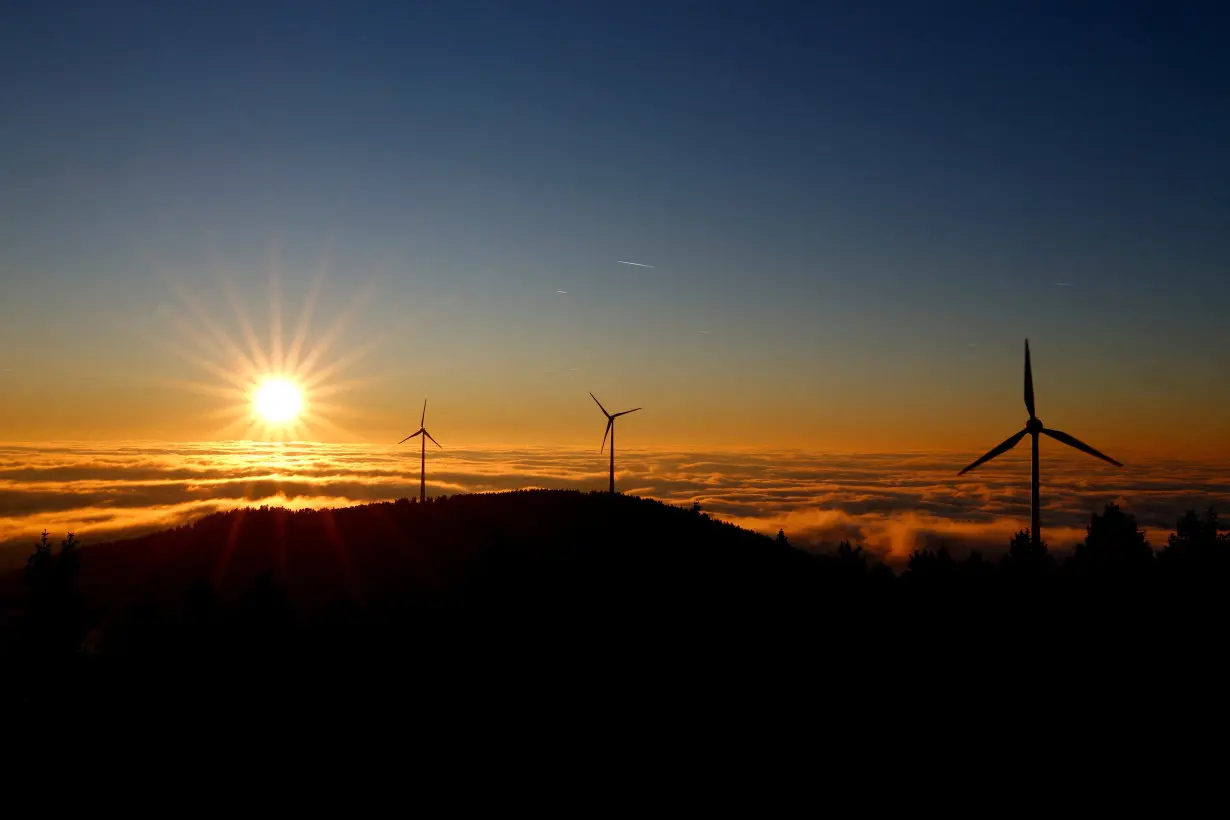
[[563, 595]]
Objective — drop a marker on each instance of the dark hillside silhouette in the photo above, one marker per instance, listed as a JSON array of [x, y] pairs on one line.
[[534, 588]]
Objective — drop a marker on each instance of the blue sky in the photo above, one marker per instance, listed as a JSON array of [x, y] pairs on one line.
[[863, 205]]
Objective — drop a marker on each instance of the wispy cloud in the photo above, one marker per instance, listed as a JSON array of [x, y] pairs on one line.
[[893, 503]]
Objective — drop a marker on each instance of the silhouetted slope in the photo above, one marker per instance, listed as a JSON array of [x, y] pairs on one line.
[[548, 568], [527, 588], [450, 551], [567, 596]]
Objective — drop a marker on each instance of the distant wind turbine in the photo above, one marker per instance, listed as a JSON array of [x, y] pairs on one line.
[[1033, 427], [610, 430], [422, 431]]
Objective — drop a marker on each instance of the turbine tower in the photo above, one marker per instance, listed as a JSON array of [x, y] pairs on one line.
[[610, 430], [422, 431], [1033, 427]]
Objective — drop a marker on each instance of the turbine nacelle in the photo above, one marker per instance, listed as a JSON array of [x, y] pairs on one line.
[[1034, 426]]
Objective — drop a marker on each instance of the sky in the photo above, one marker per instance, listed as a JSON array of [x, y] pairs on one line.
[[854, 214]]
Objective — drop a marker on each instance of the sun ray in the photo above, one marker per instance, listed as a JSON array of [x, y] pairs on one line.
[[222, 413], [258, 360], [237, 429], [304, 325], [334, 331], [324, 407], [339, 364], [237, 380], [275, 310], [217, 339], [224, 557], [331, 425], [203, 341], [223, 342], [205, 389], [215, 346]]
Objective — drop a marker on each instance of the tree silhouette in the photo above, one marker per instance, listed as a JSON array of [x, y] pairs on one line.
[[38, 565], [53, 616], [1196, 557], [930, 565], [1024, 554], [1114, 547], [975, 566], [1196, 538], [852, 557]]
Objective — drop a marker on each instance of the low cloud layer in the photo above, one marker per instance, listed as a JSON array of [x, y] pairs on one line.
[[892, 503]]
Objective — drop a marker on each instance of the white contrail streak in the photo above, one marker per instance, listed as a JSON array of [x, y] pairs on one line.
[[638, 264]]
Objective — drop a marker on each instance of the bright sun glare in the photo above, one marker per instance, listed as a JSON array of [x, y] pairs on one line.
[[277, 392], [278, 401]]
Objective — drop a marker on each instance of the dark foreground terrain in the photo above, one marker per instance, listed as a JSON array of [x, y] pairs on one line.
[[570, 606]]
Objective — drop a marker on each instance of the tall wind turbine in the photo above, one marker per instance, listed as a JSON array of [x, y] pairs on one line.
[[610, 430], [422, 431], [1033, 427]]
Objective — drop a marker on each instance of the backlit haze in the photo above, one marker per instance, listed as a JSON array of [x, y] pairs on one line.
[[847, 219]]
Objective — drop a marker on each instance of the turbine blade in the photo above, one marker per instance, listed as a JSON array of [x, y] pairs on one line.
[[626, 412], [1004, 447], [433, 441], [1029, 383], [407, 438], [423, 418], [609, 423], [1080, 445], [600, 407]]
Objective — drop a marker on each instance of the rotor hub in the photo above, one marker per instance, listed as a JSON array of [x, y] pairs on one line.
[[1033, 426]]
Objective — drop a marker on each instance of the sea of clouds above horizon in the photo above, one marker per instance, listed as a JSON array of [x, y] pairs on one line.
[[890, 503]]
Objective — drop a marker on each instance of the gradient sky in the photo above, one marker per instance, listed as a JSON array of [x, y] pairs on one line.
[[867, 207]]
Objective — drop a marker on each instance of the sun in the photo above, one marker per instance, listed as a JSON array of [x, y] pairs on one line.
[[277, 401], [278, 392]]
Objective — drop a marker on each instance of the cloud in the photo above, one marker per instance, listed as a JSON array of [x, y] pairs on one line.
[[891, 503]]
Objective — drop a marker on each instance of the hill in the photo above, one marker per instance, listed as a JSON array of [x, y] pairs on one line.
[[564, 566], [561, 596], [465, 552]]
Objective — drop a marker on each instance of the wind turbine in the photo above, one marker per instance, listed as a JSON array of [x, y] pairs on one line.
[[1033, 427], [422, 431], [610, 430]]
